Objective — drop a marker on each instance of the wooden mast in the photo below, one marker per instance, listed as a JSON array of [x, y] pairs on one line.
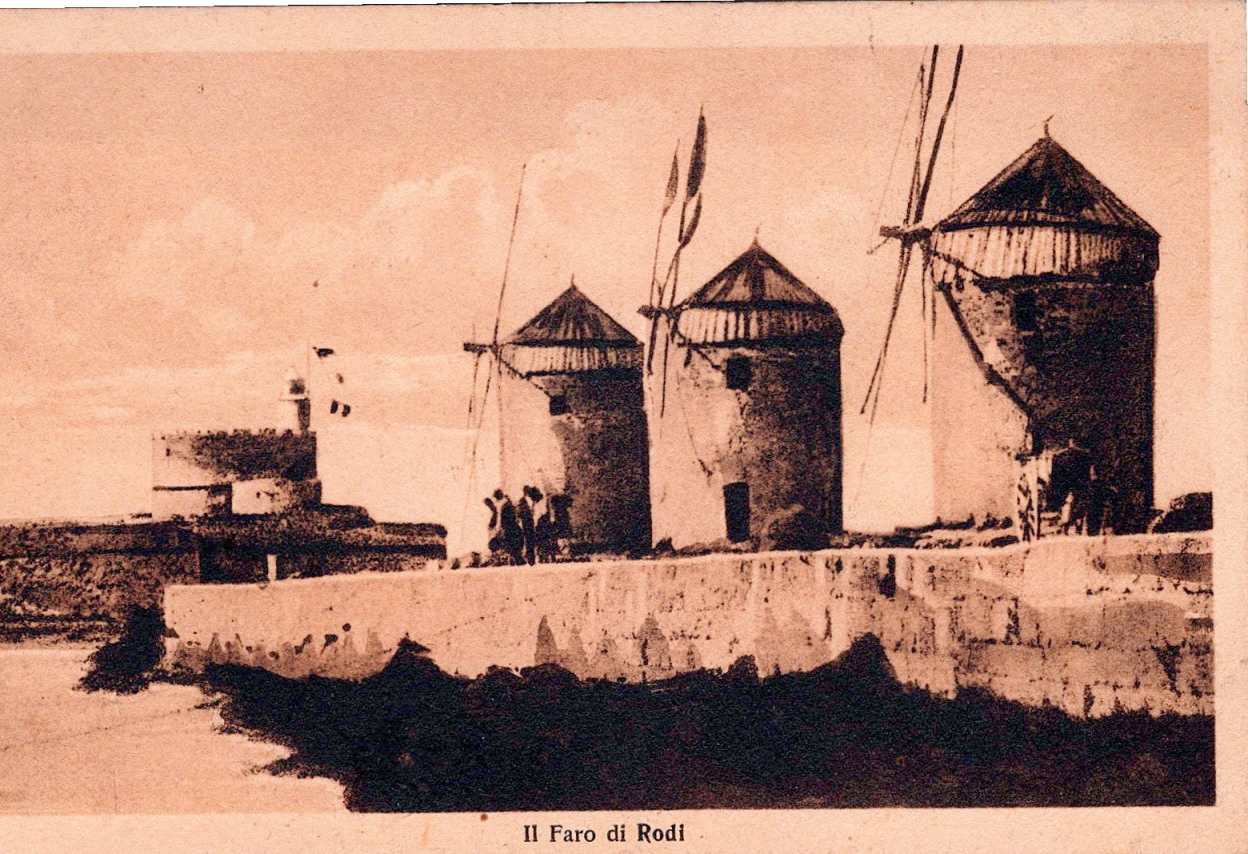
[[493, 349]]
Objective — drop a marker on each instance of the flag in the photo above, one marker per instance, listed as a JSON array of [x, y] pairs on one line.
[[692, 226], [673, 182], [322, 352], [697, 160]]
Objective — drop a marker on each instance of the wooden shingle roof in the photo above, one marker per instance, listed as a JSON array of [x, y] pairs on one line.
[[1046, 186]]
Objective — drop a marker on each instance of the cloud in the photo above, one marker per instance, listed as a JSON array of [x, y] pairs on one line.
[[209, 308], [173, 263], [193, 288]]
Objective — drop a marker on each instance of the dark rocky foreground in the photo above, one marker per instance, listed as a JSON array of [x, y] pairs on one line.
[[413, 738]]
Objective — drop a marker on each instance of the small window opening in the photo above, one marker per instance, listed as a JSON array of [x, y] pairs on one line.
[[559, 405], [1033, 347], [1025, 311], [737, 511], [888, 582], [740, 372]]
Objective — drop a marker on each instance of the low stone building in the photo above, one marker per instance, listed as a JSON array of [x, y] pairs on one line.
[[198, 472]]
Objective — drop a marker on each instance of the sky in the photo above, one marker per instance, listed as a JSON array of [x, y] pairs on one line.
[[178, 227]]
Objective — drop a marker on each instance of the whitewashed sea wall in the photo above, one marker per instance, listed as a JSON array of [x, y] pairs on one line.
[[1087, 624]]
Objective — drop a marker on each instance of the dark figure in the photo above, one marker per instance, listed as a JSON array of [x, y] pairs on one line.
[[495, 542], [1100, 503], [1068, 486], [527, 528], [561, 523], [1026, 502], [540, 530], [546, 538], [513, 536]]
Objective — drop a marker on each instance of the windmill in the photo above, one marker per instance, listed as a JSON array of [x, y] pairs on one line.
[[913, 229]]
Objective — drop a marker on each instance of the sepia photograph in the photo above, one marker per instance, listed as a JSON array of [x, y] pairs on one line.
[[564, 433]]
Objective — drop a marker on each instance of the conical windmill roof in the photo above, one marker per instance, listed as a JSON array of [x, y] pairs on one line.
[[572, 319], [1046, 185], [756, 298], [571, 335], [755, 277]]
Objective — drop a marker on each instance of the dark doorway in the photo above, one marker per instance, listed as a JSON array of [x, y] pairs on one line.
[[559, 405], [737, 511], [1071, 473]]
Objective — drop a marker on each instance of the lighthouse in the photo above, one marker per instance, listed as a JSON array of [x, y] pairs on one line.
[[294, 405]]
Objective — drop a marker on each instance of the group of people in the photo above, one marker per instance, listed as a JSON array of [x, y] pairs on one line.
[[1084, 500], [1072, 488], [521, 533], [1086, 510]]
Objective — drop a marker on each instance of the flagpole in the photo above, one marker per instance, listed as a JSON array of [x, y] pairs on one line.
[[309, 319]]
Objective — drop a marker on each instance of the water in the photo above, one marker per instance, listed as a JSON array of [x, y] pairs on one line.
[[64, 751]]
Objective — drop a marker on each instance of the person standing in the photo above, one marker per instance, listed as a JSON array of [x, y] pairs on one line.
[[545, 537], [495, 542], [1066, 513], [527, 528], [1070, 477], [561, 523], [1100, 501], [513, 536]]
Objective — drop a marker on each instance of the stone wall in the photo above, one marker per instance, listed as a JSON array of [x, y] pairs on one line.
[[53, 572], [311, 543], [189, 502], [1086, 624], [90, 571], [273, 495]]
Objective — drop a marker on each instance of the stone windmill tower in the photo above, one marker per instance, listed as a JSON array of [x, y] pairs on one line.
[[572, 422], [745, 409], [1042, 334]]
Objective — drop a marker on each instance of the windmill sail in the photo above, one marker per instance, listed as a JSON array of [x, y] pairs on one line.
[[479, 350], [663, 293], [911, 230]]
